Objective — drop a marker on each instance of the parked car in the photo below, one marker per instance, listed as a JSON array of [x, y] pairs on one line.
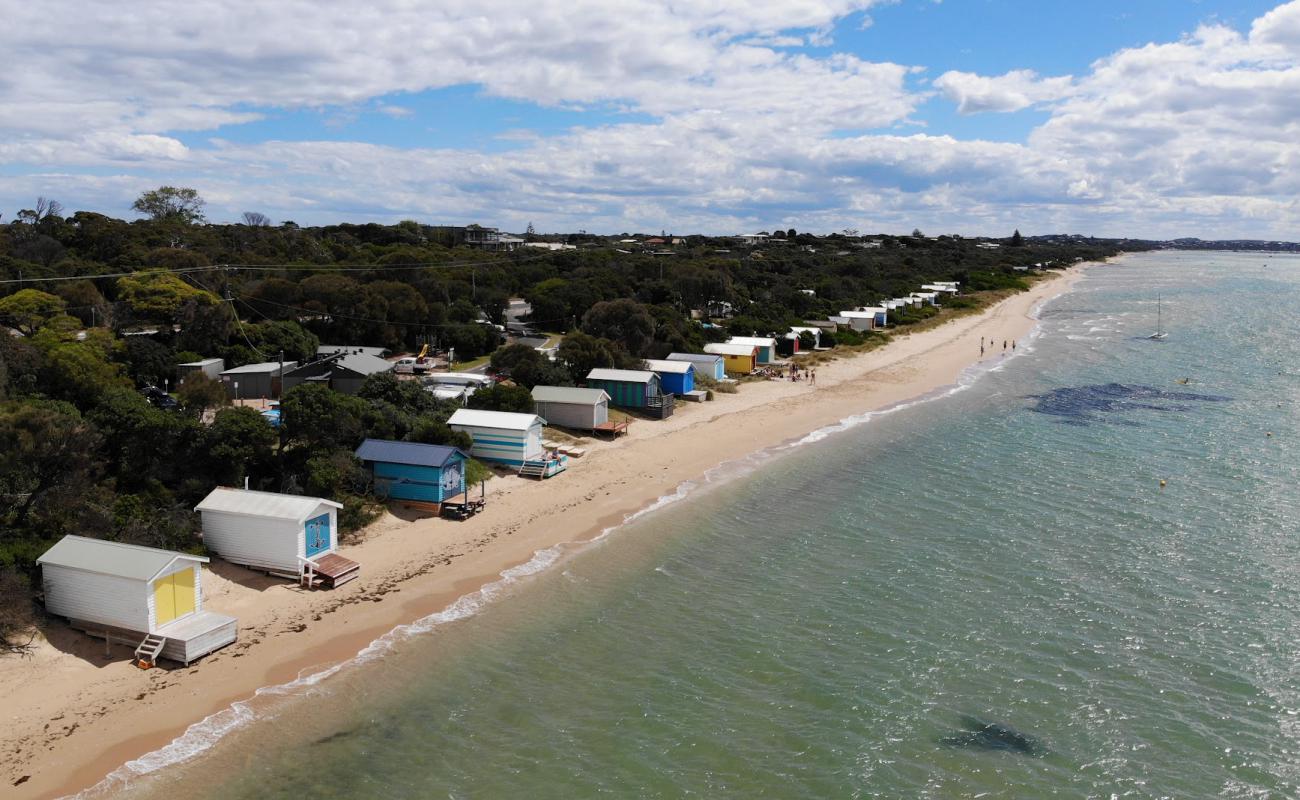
[[158, 398]]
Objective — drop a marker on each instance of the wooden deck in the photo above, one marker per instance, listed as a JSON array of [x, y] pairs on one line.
[[333, 570], [612, 428], [185, 639]]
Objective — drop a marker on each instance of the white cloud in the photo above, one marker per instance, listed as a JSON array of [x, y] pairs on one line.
[[1194, 136], [1013, 91]]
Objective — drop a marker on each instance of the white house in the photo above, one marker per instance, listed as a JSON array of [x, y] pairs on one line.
[[504, 437], [277, 533], [123, 592]]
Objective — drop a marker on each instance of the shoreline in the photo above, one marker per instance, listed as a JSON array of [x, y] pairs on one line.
[[81, 697]]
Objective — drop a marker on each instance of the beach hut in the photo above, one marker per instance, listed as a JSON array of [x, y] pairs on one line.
[[629, 388], [504, 437], [135, 595], [740, 359], [210, 367], [676, 377], [710, 364], [580, 409], [255, 380], [423, 473], [859, 320], [766, 347], [283, 534], [815, 333]]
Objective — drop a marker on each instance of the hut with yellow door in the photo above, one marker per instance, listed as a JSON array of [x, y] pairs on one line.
[[149, 598]]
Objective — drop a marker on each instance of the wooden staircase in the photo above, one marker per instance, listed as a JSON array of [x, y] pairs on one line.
[[533, 469], [146, 654]]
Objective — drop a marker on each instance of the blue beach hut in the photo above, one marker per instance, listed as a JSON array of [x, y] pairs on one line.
[[630, 388], [426, 473], [705, 363], [677, 377]]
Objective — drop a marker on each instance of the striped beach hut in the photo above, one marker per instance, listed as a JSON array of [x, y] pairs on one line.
[[629, 388], [677, 377], [766, 347], [569, 407], [425, 473], [740, 359], [135, 595], [710, 364], [277, 533], [504, 437]]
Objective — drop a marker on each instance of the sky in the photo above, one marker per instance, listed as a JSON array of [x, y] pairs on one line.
[[1154, 118]]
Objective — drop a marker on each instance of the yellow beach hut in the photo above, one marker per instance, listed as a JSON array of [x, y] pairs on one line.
[[740, 359]]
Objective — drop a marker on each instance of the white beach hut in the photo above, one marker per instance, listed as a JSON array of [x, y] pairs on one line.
[[504, 437], [569, 407], [766, 346], [123, 592], [283, 534], [858, 320]]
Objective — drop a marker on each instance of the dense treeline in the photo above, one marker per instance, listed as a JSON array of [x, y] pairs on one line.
[[100, 307]]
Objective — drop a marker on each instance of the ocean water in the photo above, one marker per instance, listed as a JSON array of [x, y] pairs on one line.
[[823, 621]]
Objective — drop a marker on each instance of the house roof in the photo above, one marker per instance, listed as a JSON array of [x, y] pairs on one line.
[[203, 362], [274, 505], [678, 367], [112, 558], [412, 453], [698, 358], [757, 341], [730, 349], [505, 420], [568, 394], [621, 375], [327, 349], [266, 366]]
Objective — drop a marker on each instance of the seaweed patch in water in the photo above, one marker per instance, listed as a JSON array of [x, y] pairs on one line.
[[1079, 405]]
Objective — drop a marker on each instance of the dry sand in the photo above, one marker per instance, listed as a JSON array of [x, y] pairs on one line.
[[73, 715]]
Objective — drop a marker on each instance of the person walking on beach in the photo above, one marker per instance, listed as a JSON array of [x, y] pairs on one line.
[[812, 377], [981, 347], [1013, 344]]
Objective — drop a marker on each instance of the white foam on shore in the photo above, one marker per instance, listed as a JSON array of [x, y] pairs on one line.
[[206, 733]]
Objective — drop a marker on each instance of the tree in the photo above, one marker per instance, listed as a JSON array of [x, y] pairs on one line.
[[503, 398], [916, 234], [238, 442], [320, 418], [626, 322], [790, 234], [580, 353], [149, 360], [17, 622], [256, 219], [28, 309], [169, 204], [47, 452], [1017, 240], [160, 296], [198, 393]]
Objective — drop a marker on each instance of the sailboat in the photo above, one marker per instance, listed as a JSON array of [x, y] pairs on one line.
[[1160, 331]]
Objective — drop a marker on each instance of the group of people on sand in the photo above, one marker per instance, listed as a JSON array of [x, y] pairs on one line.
[[993, 344], [794, 373]]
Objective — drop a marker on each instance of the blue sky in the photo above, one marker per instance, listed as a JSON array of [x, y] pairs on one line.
[[1152, 118]]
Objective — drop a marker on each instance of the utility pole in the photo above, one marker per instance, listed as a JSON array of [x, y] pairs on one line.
[[280, 428]]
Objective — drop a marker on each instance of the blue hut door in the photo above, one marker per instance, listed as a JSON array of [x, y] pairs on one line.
[[318, 535]]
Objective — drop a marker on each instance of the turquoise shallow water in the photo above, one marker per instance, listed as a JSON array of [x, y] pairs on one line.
[[818, 626]]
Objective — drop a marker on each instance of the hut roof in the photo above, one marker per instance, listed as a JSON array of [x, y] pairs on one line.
[[266, 366], [204, 362], [621, 375], [698, 358], [330, 349], [680, 367], [412, 453], [757, 341], [112, 558], [505, 420], [262, 504], [731, 349], [568, 394]]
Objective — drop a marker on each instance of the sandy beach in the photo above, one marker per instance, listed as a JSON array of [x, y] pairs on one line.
[[73, 715]]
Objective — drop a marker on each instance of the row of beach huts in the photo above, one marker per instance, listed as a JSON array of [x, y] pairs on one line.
[[153, 598]]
